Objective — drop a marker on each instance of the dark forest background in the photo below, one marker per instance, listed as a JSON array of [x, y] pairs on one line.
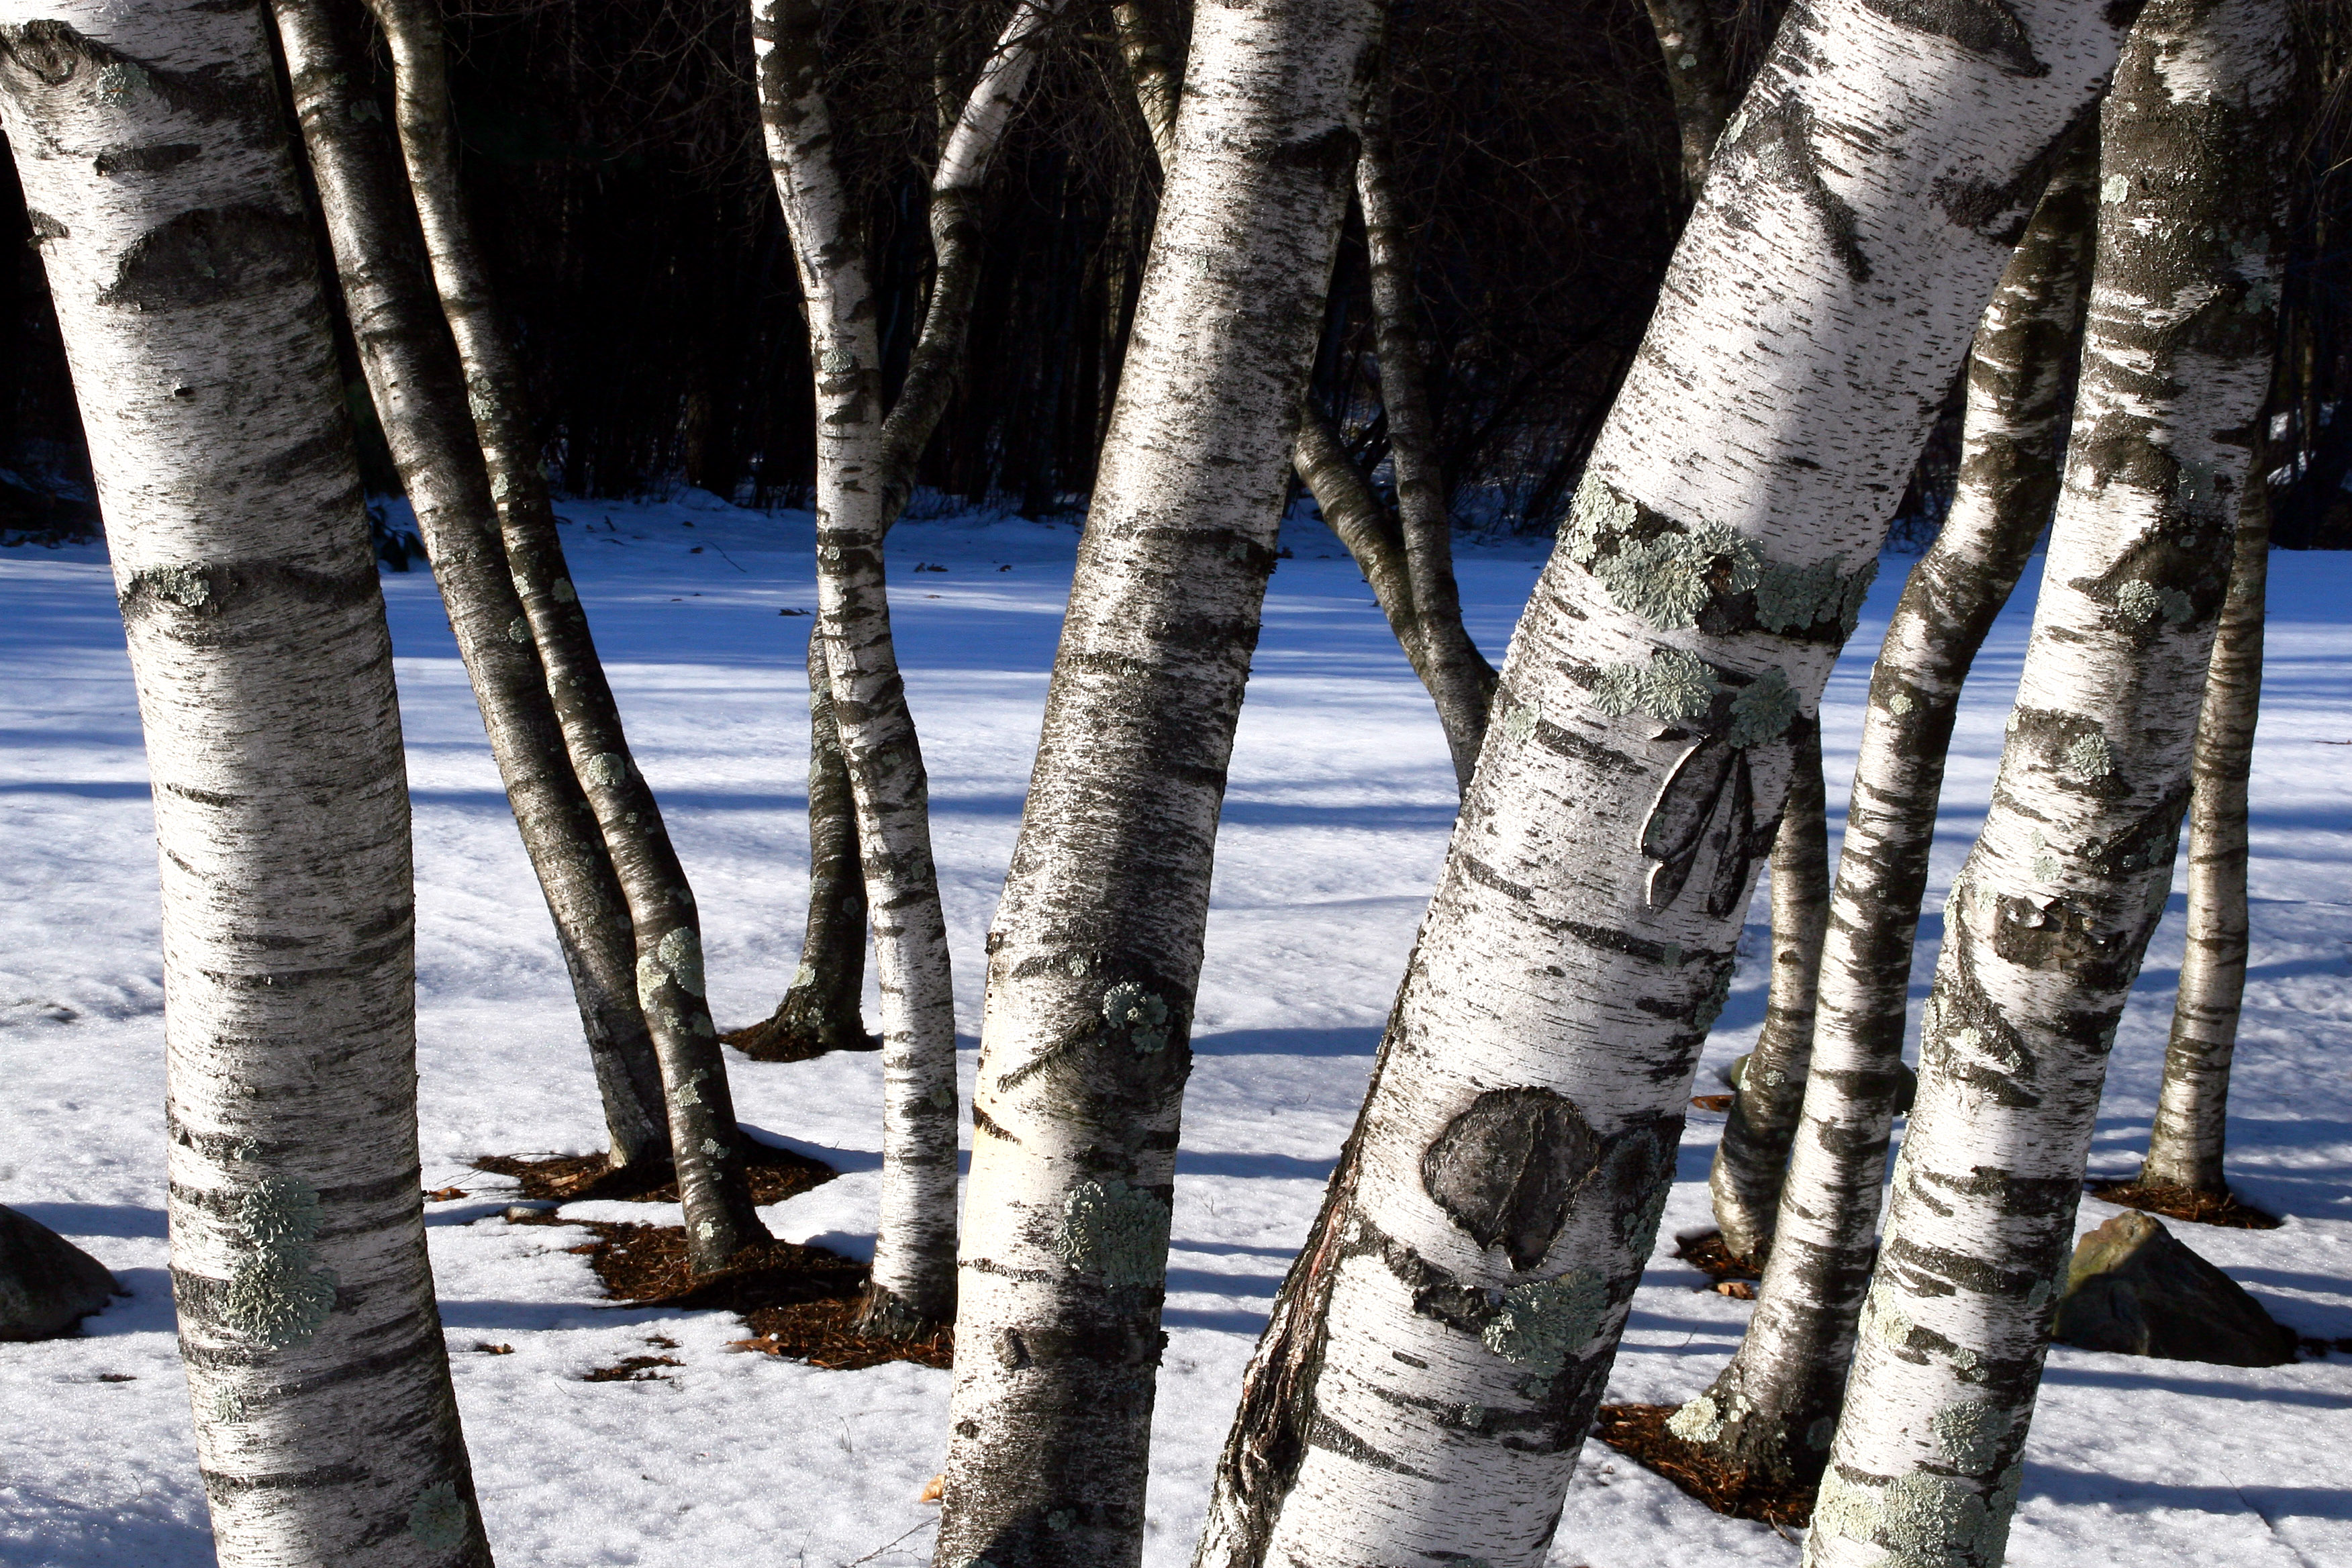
[[612, 158]]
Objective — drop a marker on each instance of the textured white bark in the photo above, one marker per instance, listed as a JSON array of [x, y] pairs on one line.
[[152, 145], [1096, 949], [2051, 915], [1434, 1359]]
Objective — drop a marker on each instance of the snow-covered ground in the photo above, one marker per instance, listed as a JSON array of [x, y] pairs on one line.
[[1333, 832]]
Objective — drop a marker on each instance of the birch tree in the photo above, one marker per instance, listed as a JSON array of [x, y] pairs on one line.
[[2185, 1147], [865, 471], [154, 157], [419, 391], [1435, 1358], [705, 1142], [1096, 949], [1771, 1410], [2051, 912]]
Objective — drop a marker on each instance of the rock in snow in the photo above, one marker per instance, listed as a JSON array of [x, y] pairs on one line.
[[46, 1283], [2134, 1289]]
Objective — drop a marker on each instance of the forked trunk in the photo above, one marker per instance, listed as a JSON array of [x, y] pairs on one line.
[[1096, 949], [419, 391], [704, 1139], [155, 157], [1435, 1356], [1770, 1412], [2051, 912]]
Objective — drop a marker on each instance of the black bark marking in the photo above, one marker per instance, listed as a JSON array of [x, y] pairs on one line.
[[205, 256], [1507, 1169], [1736, 847], [1784, 141], [145, 160], [1986, 28], [1677, 824]]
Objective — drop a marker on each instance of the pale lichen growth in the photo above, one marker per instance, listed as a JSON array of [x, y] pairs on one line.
[[2143, 602], [1700, 1421], [2114, 188], [681, 953], [1113, 1230], [563, 592], [182, 585], [517, 630], [278, 1294], [1796, 598], [1520, 723], [437, 1520], [1882, 1320], [1127, 1006], [2091, 757], [1920, 1517], [1971, 1433], [1667, 581], [1543, 1324], [1763, 709], [608, 768], [1900, 703], [1619, 690]]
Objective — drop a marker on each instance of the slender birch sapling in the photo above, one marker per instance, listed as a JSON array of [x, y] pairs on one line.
[[419, 391], [1433, 1360], [2051, 912], [706, 1144], [1096, 949], [864, 472], [1770, 1412], [152, 145]]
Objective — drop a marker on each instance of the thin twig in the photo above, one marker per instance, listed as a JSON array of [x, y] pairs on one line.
[[887, 1544]]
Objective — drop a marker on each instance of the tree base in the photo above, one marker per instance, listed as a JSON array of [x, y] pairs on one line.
[[886, 1315], [2190, 1203], [1705, 1252], [789, 1034], [1638, 1432]]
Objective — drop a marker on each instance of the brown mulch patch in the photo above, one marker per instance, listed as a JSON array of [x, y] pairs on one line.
[[776, 1174], [1719, 1104], [1707, 1253], [825, 1333], [2187, 1204], [632, 1369], [774, 1040], [1638, 1432]]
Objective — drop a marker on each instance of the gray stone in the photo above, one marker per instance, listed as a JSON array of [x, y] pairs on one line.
[[47, 1285], [2133, 1289]]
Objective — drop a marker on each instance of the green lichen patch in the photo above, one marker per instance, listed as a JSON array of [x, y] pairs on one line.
[[438, 1520], [681, 953], [278, 1297], [1114, 1231], [1541, 1324], [1668, 579], [1129, 1009], [2091, 756], [1763, 711], [519, 631], [2144, 603], [607, 770], [1520, 721], [1700, 1421], [1971, 1433], [182, 585], [1797, 598]]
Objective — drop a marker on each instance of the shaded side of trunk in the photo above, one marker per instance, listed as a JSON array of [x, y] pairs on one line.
[[418, 388], [153, 148], [706, 1144], [1096, 949], [2051, 915], [1517, 1145], [1771, 1410], [1753, 1157], [1699, 76], [2184, 1149]]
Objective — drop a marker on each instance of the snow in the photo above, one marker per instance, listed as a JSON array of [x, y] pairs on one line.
[[1334, 829]]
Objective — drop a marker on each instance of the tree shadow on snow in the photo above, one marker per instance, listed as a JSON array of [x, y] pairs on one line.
[[2063, 1486], [96, 1219]]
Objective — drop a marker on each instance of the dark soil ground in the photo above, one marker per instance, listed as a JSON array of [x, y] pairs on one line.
[[776, 1174], [2186, 1204], [1707, 1253], [1638, 1432]]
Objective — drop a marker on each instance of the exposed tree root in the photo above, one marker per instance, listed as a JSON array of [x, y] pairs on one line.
[[1638, 1432], [2187, 1204], [788, 1036]]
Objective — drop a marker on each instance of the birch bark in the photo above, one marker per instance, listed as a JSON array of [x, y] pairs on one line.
[[419, 391], [1772, 1409], [151, 147], [864, 469], [1435, 1356], [2186, 1146], [2051, 915], [1096, 949], [1699, 77], [1753, 1158], [705, 1143]]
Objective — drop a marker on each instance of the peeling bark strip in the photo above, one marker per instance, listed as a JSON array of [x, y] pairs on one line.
[[419, 391], [704, 1141], [1096, 949], [1772, 1409], [325, 1426], [1580, 939], [2185, 1147], [864, 470], [2051, 914]]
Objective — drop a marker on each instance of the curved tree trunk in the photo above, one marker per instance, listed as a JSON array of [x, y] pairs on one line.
[[1096, 949], [1366, 527], [419, 391], [704, 1139], [2185, 1148], [1771, 1410], [821, 1012], [1436, 1353], [152, 149], [1754, 1155], [2051, 914]]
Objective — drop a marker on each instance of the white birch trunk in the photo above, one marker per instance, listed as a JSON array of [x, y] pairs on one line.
[[864, 466], [1096, 949], [152, 145], [2051, 915], [1772, 1409], [1434, 1358]]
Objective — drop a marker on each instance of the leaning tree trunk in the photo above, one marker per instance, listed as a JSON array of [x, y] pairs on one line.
[[1355, 514], [1754, 1155], [820, 1011], [1771, 1410], [1435, 1358], [419, 391], [2185, 1148], [1096, 949], [1698, 72], [706, 1144], [163, 190], [2051, 912], [865, 471]]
